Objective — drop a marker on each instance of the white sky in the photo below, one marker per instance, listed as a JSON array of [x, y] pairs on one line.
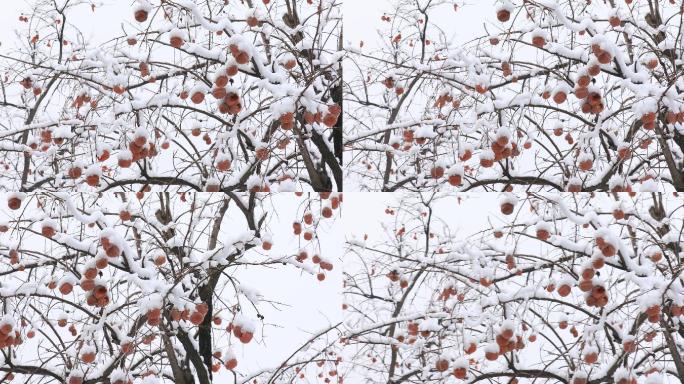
[[99, 26], [364, 212], [362, 18]]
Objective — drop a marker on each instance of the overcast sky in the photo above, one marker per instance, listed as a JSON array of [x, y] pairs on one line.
[[362, 18]]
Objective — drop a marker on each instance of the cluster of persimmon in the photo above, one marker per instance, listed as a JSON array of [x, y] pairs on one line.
[[230, 99], [302, 255], [592, 101], [243, 333], [460, 370], [648, 120], [154, 317], [502, 147], [335, 199], [595, 293], [308, 219], [395, 276], [676, 310], [507, 341], [329, 119], [46, 140], [98, 296], [97, 293], [28, 83], [408, 137], [390, 83], [240, 56], [413, 330], [262, 186], [72, 328], [65, 287], [231, 103], [111, 249], [606, 247], [324, 265], [597, 297], [139, 148], [326, 373], [450, 291], [653, 313], [602, 55], [672, 117], [83, 98], [446, 98], [9, 334], [454, 178], [195, 317], [119, 89]]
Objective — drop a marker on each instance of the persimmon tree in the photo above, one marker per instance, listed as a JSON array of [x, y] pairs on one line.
[[212, 95], [567, 95], [156, 290], [556, 288]]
